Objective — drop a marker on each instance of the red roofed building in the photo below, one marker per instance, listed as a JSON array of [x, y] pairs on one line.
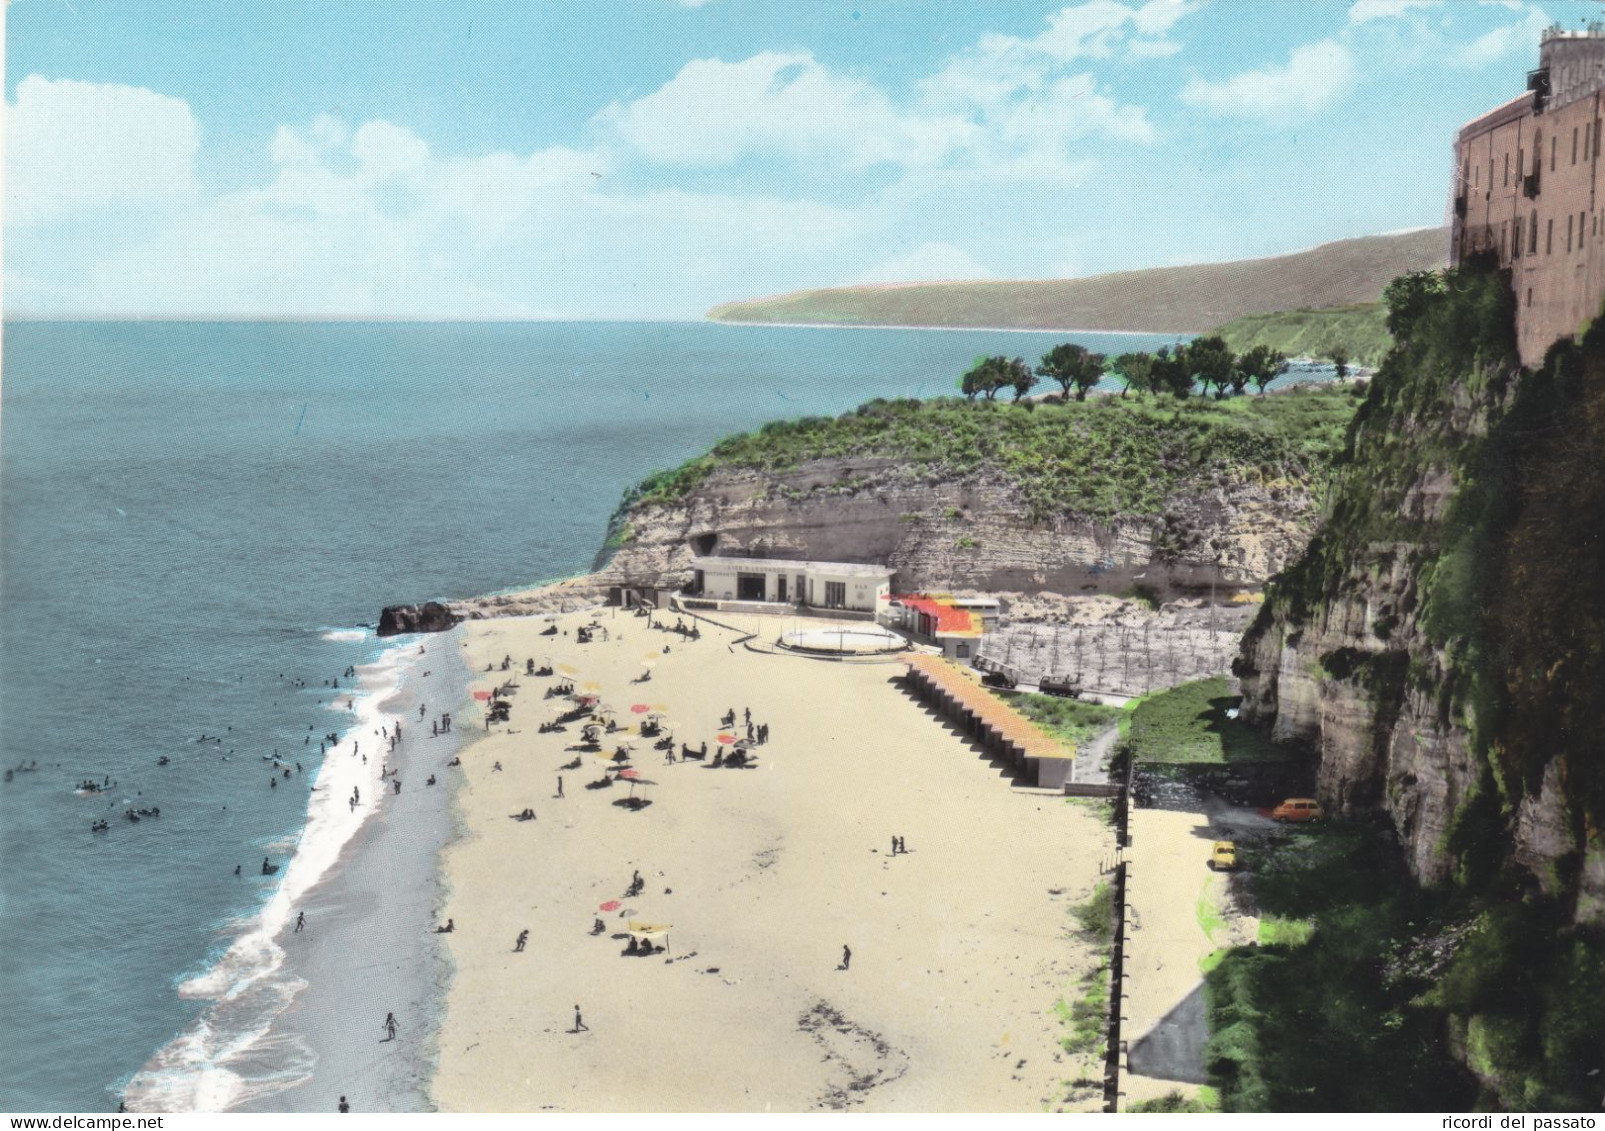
[[954, 624]]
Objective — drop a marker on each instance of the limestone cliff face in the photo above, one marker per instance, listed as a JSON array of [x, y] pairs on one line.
[[963, 533], [1417, 643]]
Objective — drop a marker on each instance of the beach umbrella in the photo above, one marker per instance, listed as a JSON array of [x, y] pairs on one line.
[[630, 775], [649, 655], [727, 739], [568, 669], [481, 695], [591, 685], [639, 708], [588, 700], [660, 706], [610, 905]]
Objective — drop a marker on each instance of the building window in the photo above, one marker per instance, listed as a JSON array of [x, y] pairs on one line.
[[1521, 161], [835, 594], [1529, 296], [1515, 238], [1549, 236], [1568, 232], [1532, 245], [1507, 169], [1574, 145], [1553, 142], [1504, 230], [1580, 216], [962, 650]]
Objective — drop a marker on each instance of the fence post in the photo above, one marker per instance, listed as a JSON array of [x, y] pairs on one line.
[[1117, 981]]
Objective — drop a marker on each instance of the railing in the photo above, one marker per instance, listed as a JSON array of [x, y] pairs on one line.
[[1530, 186]]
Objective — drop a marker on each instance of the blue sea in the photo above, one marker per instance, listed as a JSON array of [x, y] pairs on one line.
[[197, 523]]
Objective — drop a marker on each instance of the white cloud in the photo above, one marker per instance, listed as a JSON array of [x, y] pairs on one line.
[[714, 113], [929, 262], [1364, 11], [74, 148], [1313, 78], [1152, 48], [1511, 39]]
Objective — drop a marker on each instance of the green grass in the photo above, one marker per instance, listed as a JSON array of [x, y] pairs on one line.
[[1206, 1100], [1069, 719], [1107, 457], [1276, 931], [1095, 919], [1361, 329], [1087, 1017], [1189, 724], [1325, 1022]]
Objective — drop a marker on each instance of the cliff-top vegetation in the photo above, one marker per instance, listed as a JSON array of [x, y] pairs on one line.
[[1101, 459]]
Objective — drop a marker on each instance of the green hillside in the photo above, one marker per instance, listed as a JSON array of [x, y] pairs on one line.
[[1360, 329]]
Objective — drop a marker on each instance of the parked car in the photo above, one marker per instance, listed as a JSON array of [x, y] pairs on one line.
[[1223, 856], [1298, 809]]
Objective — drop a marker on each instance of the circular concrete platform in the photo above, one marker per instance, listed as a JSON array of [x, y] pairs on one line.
[[855, 640]]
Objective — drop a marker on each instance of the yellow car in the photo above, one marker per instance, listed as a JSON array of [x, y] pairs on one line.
[[1223, 856]]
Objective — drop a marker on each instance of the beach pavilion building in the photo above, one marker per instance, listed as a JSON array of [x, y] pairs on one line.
[[839, 586]]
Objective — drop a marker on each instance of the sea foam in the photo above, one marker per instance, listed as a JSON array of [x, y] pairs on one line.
[[218, 1061]]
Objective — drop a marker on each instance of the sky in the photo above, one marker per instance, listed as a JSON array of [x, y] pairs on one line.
[[648, 159]]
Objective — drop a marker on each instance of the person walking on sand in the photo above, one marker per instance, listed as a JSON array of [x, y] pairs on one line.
[[390, 1026], [300, 921], [847, 957], [344, 1107], [523, 937], [579, 1022], [560, 785]]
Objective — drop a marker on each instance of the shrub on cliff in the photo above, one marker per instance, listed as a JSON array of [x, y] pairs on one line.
[[1104, 459]]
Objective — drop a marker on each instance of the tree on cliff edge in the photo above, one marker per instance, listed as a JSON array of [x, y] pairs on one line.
[[1072, 365]]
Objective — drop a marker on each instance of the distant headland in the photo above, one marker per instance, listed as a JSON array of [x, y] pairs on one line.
[[1187, 299]]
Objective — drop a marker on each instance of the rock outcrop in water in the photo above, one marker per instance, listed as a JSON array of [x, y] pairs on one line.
[[431, 616]]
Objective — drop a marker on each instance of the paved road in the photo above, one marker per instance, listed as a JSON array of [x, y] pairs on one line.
[[1174, 1048]]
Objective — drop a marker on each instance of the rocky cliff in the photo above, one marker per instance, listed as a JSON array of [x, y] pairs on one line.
[[1199, 509], [1441, 645]]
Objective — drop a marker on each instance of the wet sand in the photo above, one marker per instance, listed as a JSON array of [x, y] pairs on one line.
[[369, 947], [960, 948]]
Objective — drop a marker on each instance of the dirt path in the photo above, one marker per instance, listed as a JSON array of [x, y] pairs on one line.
[[1180, 914]]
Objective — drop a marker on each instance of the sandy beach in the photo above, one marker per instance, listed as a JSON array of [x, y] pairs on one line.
[[960, 948]]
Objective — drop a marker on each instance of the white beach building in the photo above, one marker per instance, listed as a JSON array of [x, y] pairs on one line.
[[825, 585]]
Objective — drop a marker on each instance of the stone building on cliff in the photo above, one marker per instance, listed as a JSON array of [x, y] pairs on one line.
[[1526, 186]]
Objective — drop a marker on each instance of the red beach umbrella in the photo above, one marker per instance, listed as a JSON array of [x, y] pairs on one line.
[[727, 739], [639, 708], [629, 775], [481, 695], [610, 905]]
